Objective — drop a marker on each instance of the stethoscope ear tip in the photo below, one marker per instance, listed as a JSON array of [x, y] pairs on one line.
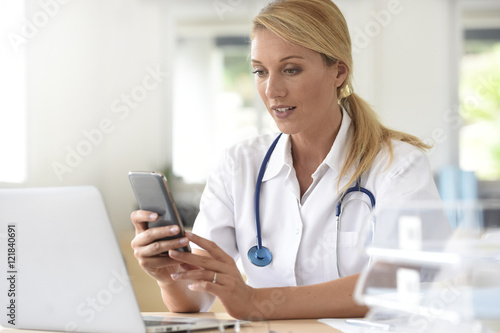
[[260, 257]]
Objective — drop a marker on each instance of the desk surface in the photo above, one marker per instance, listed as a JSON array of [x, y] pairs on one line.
[[278, 326]]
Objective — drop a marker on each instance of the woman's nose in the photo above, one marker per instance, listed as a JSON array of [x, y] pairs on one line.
[[275, 87]]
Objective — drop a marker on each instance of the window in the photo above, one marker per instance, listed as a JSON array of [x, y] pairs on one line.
[[13, 87], [215, 102], [480, 104]]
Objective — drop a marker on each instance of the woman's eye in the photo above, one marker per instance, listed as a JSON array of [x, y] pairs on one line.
[[292, 71], [258, 72]]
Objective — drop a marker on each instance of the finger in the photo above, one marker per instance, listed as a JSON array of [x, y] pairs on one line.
[[199, 275], [150, 235], [213, 249], [139, 217], [208, 287], [148, 243], [153, 263], [162, 247], [203, 261], [188, 267]]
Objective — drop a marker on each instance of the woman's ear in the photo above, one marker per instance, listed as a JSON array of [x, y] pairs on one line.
[[342, 72]]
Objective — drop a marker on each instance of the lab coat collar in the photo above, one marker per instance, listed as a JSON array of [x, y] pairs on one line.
[[340, 148], [282, 155]]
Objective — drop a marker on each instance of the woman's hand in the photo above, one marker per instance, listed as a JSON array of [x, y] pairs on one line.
[[149, 253], [219, 276]]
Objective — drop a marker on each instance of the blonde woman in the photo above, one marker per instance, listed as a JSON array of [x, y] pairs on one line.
[[298, 262]]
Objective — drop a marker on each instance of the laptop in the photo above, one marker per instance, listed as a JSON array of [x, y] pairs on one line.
[[63, 269]]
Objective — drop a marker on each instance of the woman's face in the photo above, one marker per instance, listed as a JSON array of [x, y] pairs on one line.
[[295, 84]]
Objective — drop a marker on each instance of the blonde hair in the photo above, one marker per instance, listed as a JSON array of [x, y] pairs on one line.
[[320, 26]]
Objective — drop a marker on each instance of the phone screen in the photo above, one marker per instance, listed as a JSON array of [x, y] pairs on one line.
[[152, 194]]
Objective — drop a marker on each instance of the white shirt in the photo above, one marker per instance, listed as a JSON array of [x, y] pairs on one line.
[[301, 232]]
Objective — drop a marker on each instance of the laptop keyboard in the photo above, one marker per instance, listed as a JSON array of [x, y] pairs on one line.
[[158, 323]]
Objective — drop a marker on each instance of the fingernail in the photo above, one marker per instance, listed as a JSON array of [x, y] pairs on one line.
[[188, 233], [183, 241], [174, 276], [153, 216], [174, 229], [173, 253]]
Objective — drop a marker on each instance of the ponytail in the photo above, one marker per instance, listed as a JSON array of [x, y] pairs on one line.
[[369, 136]]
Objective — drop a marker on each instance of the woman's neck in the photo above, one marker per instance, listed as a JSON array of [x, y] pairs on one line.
[[313, 146], [310, 149]]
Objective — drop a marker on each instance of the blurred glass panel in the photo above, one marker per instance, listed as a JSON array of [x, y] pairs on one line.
[[419, 283]]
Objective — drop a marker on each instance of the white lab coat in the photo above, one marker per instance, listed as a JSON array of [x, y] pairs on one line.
[[301, 232]]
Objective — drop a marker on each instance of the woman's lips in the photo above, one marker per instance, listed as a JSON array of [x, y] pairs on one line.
[[283, 111]]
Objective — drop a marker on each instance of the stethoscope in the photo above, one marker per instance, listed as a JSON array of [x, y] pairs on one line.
[[260, 255]]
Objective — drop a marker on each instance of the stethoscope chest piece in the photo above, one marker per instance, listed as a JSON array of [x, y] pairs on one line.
[[260, 257]]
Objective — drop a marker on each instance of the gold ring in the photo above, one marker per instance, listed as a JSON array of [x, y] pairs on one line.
[[215, 278]]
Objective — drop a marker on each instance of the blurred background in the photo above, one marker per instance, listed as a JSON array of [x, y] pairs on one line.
[[91, 89]]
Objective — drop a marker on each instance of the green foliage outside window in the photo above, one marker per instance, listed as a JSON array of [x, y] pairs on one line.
[[480, 110]]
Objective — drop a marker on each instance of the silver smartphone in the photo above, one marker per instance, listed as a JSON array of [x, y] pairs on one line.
[[152, 194]]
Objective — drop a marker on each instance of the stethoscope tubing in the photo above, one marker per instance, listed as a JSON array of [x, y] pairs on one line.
[[355, 188], [259, 255], [338, 211], [258, 187]]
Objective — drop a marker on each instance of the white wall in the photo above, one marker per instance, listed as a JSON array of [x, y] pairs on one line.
[[80, 65], [92, 52]]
